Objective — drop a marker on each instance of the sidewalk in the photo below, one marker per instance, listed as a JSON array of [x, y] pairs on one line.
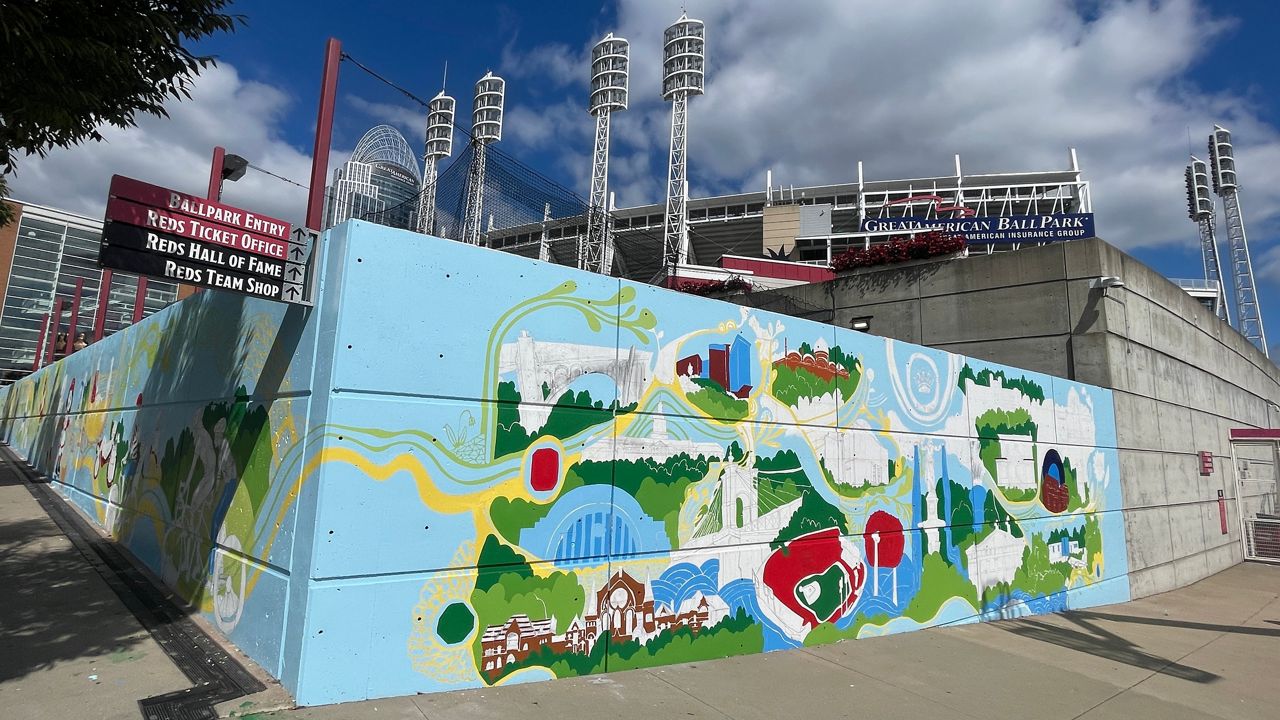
[[86, 634], [70, 648]]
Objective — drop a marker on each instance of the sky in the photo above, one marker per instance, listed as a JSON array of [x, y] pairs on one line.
[[805, 88]]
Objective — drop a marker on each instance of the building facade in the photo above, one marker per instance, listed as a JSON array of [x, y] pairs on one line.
[[811, 224], [44, 254], [380, 182]]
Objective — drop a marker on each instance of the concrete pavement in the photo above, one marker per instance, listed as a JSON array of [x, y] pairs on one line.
[[70, 648]]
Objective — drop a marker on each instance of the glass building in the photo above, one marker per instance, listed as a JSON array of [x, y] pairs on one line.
[[43, 253], [380, 182]]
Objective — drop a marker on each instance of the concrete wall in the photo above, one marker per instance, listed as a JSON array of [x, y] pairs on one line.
[[1181, 377], [466, 468], [183, 437]]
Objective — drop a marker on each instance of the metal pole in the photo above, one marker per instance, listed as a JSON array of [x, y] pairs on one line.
[[324, 134], [215, 174], [75, 317], [53, 332], [104, 295], [139, 299], [44, 328]]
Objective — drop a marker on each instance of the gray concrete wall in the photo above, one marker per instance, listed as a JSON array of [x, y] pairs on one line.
[[1181, 377]]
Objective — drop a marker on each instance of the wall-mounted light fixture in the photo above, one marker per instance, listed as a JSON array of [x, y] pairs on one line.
[[861, 324], [1105, 283]]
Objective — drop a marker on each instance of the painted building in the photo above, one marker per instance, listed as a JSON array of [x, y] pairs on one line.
[[1016, 464]]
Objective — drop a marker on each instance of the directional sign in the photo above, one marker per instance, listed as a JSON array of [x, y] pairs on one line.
[[301, 240], [185, 271], [151, 230], [180, 248], [125, 211], [192, 206]]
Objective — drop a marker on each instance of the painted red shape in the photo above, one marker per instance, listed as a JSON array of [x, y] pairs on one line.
[[544, 469], [886, 550], [795, 570], [1054, 495]]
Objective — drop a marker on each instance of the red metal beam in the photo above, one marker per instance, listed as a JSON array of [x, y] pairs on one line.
[[215, 174], [53, 331], [1255, 433], [139, 299], [100, 315], [44, 328], [324, 133], [75, 317]]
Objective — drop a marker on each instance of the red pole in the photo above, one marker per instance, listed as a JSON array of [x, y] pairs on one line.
[[324, 133], [215, 173], [100, 316], [44, 328], [139, 299], [53, 332], [75, 316]]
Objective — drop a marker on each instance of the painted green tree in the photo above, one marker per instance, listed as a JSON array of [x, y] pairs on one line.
[[572, 413], [507, 586], [1026, 386], [714, 400]]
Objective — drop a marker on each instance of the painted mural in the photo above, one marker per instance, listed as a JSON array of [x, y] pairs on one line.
[[527, 472], [190, 486], [641, 477]]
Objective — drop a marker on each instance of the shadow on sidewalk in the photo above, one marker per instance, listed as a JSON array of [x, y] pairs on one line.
[[1163, 622], [53, 605], [1098, 642]]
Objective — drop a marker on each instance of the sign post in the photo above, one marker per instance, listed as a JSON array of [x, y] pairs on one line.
[[157, 232]]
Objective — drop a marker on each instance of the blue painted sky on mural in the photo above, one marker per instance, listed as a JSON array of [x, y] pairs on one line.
[[805, 88]]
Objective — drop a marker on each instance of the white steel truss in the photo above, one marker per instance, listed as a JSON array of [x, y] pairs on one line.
[[1212, 264], [675, 236], [475, 196], [427, 197], [1248, 314], [596, 246]]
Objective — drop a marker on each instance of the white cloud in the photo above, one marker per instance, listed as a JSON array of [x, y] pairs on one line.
[[174, 152], [810, 87], [410, 121]]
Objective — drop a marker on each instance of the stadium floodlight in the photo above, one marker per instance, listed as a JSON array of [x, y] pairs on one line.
[[1200, 210], [683, 65], [1222, 166], [486, 127], [610, 59], [1222, 160], [439, 145]]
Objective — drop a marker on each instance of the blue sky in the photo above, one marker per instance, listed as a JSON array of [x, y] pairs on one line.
[[806, 88]]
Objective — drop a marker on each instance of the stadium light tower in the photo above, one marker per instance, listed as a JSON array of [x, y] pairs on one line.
[[683, 59], [1200, 210], [439, 145], [609, 60], [1222, 164], [486, 127]]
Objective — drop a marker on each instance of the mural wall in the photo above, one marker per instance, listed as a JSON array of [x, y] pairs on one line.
[[179, 436], [531, 472], [490, 470]]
